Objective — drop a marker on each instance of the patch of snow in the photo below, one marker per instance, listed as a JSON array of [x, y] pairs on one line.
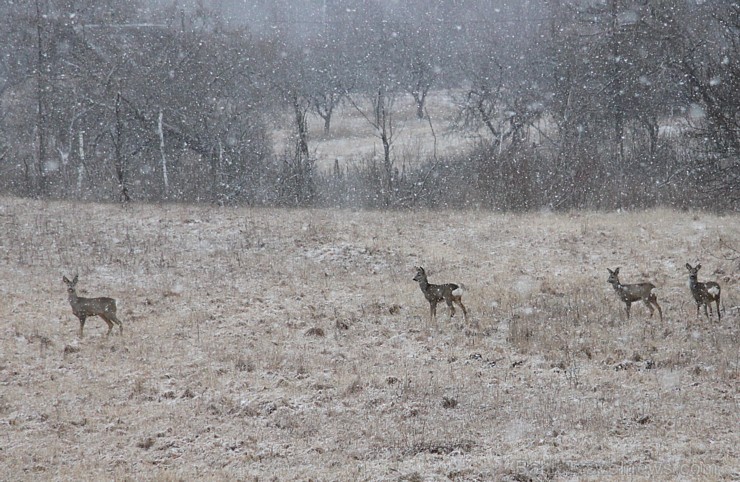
[[696, 111], [349, 256], [51, 166], [629, 17], [524, 286], [669, 380]]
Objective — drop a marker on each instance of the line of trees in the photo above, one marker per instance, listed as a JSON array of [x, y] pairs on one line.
[[582, 104]]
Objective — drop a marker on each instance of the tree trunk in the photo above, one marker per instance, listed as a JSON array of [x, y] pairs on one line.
[[119, 161], [41, 120], [165, 178], [81, 166], [419, 100]]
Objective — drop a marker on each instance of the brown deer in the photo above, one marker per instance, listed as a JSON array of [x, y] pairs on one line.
[[631, 293], [84, 307], [704, 293], [449, 293]]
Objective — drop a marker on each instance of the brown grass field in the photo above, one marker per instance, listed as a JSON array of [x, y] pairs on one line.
[[266, 344]]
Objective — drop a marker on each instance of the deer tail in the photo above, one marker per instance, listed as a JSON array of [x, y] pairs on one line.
[[459, 290]]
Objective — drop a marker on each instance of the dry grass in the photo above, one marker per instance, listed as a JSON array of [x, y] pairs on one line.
[[292, 344]]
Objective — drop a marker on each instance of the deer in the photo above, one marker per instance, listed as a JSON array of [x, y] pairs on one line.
[[631, 293], [704, 293], [83, 307], [449, 293]]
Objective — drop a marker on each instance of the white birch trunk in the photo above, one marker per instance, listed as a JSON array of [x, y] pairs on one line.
[[160, 131], [81, 166], [221, 178]]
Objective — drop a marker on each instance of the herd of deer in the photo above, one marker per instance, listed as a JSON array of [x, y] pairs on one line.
[[704, 294]]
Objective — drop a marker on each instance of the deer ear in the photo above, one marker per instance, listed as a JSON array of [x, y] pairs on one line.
[[616, 271], [610, 271], [698, 266], [64, 278], [688, 266], [74, 280]]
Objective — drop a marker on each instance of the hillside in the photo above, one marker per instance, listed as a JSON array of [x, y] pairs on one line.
[[294, 345]]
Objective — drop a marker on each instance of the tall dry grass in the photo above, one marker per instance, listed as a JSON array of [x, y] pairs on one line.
[[293, 344]]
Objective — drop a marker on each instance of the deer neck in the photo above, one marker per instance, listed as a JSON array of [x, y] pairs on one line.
[[73, 298], [424, 285]]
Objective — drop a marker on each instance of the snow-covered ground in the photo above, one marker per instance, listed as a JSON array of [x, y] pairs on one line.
[[352, 139], [293, 344]]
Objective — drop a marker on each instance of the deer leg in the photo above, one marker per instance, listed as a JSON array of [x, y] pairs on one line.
[[654, 300], [82, 324], [115, 320], [433, 311], [719, 317], [705, 310], [451, 307], [627, 308], [465, 312], [650, 307], [108, 322], [660, 312]]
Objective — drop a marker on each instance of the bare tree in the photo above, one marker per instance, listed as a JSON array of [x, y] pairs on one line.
[[287, 70], [418, 58], [705, 43], [325, 77], [42, 83]]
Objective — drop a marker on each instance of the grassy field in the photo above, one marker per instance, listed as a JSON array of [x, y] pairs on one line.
[[264, 344]]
